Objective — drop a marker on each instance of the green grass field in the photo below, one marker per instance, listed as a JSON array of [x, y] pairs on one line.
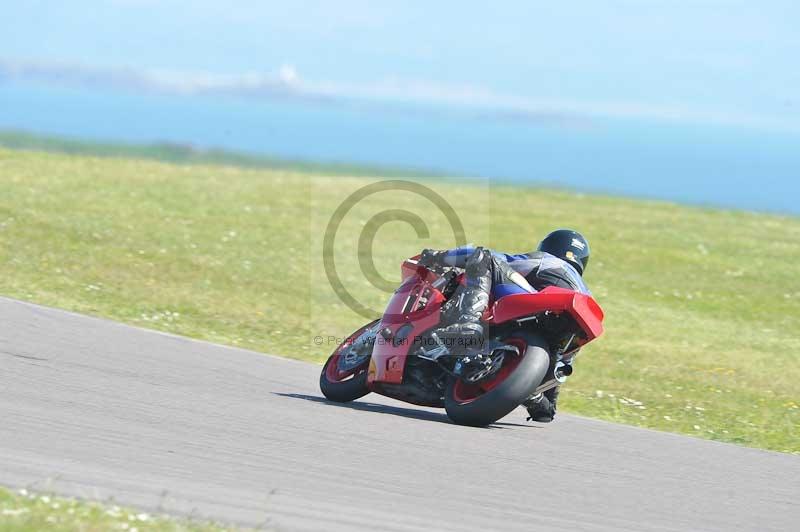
[[23, 511], [702, 311]]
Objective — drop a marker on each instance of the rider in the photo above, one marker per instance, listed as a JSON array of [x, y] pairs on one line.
[[559, 260]]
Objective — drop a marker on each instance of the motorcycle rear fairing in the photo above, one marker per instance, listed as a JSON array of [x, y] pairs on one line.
[[582, 307]]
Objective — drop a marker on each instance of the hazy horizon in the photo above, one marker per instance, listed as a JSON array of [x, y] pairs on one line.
[[730, 63]]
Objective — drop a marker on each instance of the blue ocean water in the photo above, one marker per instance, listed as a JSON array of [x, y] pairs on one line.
[[699, 164]]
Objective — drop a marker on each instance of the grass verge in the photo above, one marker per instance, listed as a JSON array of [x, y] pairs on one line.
[[703, 306], [22, 511]]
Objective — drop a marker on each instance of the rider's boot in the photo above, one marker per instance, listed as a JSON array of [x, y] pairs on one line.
[[469, 302], [542, 406]]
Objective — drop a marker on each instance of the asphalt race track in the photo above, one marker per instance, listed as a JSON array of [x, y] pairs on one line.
[[99, 410]]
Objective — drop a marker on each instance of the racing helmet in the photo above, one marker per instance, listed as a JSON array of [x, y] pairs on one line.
[[567, 245]]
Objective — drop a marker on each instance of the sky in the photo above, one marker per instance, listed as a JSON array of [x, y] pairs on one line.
[[731, 62]]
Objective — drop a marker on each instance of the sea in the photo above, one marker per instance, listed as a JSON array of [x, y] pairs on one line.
[[712, 165]]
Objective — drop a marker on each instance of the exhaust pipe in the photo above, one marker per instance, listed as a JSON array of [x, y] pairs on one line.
[[560, 374], [562, 371]]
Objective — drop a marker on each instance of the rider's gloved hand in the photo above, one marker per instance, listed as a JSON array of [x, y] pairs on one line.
[[431, 257]]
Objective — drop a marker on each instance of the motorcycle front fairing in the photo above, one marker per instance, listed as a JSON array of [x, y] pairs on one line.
[[413, 309]]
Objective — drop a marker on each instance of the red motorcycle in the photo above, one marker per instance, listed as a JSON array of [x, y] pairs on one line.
[[529, 349]]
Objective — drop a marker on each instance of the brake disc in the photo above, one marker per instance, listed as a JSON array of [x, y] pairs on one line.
[[359, 350]]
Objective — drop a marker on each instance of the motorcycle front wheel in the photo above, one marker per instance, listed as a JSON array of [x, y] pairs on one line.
[[344, 375], [482, 403]]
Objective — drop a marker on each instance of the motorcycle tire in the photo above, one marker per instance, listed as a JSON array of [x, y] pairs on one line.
[[469, 405], [343, 388]]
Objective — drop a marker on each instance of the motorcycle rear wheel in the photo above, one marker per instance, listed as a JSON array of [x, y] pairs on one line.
[[485, 402]]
